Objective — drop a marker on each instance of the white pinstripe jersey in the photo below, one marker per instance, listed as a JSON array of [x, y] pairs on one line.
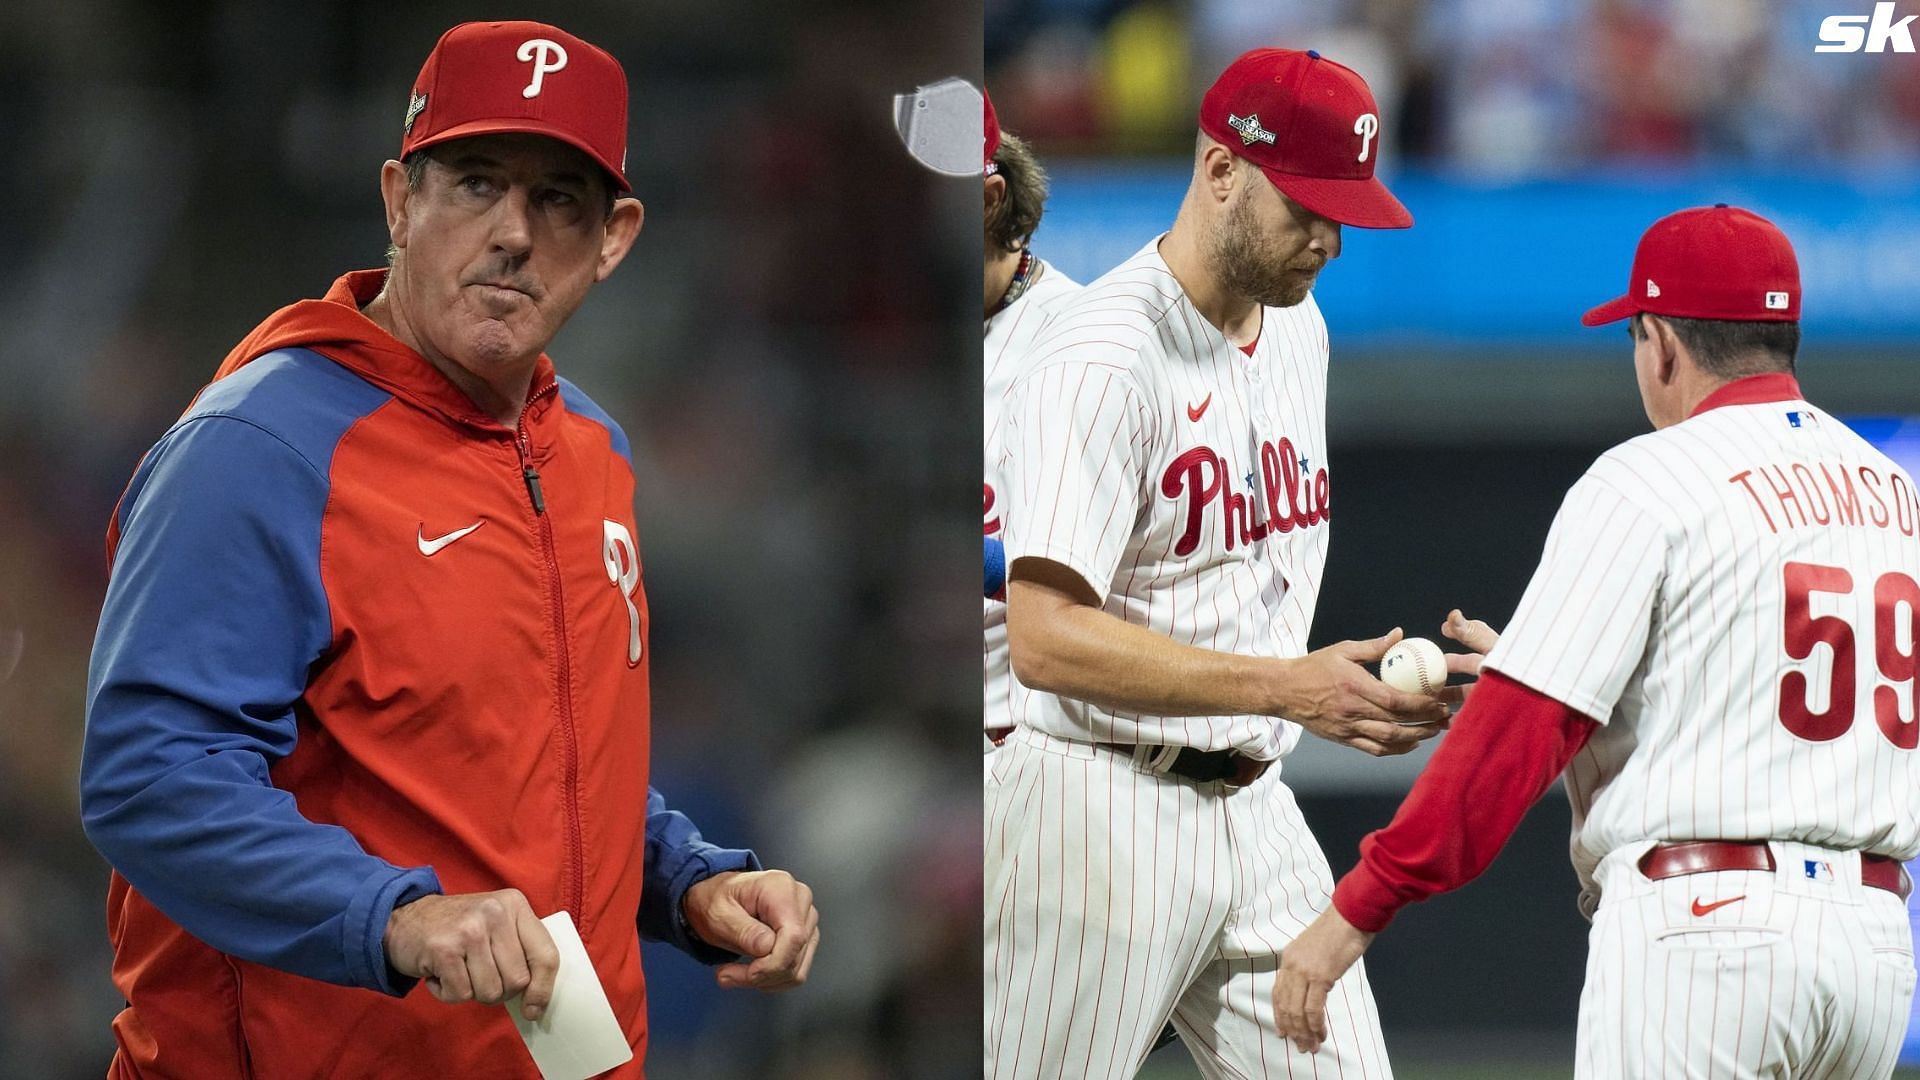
[[1009, 333], [1184, 480], [1734, 598]]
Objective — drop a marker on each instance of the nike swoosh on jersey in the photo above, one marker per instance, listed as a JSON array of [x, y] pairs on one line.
[[432, 547], [1195, 412], [1703, 909]]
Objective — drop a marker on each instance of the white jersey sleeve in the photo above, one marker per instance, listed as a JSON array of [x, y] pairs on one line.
[[1582, 626], [1009, 336], [1075, 445]]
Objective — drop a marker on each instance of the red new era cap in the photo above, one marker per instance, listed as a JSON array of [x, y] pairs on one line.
[[1312, 127], [1710, 262], [493, 77], [992, 129]]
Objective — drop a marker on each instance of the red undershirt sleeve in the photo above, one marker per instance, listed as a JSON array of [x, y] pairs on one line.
[[1504, 750]]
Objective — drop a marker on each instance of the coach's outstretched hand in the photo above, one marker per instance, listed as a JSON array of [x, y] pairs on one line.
[[1472, 633], [483, 947], [1329, 693], [1309, 966], [1475, 635], [763, 914]]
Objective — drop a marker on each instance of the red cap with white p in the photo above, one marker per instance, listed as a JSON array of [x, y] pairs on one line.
[[486, 78], [1312, 127]]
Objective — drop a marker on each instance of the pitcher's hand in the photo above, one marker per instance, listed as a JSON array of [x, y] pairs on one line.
[[1329, 693]]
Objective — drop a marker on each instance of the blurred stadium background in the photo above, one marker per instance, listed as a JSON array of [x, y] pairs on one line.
[[1533, 140], [777, 345]]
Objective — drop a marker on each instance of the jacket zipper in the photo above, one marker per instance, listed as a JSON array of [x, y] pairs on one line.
[[576, 871]]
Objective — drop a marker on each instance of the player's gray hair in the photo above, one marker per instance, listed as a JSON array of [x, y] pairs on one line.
[[1018, 214], [1732, 348], [416, 164]]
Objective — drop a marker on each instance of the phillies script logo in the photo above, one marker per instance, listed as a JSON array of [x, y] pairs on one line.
[[621, 556], [1202, 477]]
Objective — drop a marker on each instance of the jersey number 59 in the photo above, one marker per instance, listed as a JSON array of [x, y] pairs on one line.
[[1896, 615]]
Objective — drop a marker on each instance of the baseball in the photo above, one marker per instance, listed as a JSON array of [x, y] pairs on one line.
[[1415, 665]]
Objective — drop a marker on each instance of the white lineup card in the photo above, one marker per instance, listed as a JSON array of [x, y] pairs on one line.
[[577, 1036]]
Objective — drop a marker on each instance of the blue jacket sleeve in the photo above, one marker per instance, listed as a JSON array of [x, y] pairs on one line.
[[676, 859], [214, 614]]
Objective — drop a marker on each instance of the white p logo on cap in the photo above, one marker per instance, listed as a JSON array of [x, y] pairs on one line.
[[546, 58], [1366, 127]]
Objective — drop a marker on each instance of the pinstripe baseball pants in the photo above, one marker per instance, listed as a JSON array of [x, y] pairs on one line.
[[1117, 899], [1800, 971]]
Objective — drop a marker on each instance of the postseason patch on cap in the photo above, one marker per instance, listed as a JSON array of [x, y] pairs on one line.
[[414, 106], [1250, 130]]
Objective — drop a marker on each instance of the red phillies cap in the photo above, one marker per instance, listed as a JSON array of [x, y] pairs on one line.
[[487, 78], [1312, 127], [992, 127], [1710, 262]]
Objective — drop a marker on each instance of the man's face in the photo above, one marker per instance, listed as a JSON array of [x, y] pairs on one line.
[[501, 241], [1268, 248]]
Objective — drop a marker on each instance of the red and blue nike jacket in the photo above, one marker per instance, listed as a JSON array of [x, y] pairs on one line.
[[361, 643]]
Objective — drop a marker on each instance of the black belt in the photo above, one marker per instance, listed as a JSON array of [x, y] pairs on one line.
[[1208, 766]]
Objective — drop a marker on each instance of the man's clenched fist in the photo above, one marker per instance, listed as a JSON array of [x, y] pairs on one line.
[[764, 915], [483, 947]]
